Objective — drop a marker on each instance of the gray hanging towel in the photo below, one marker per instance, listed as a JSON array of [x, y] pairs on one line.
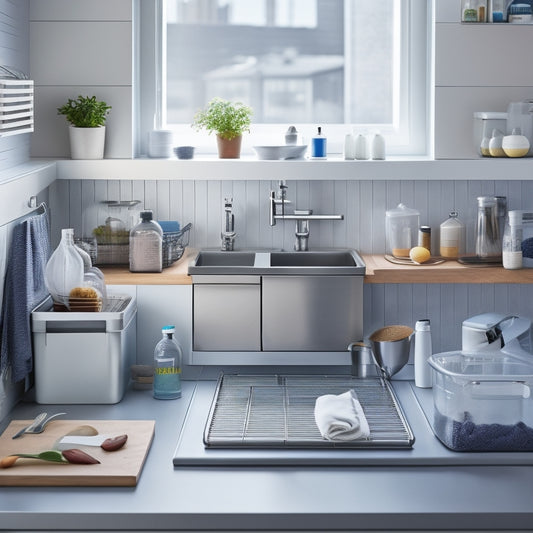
[[24, 288]]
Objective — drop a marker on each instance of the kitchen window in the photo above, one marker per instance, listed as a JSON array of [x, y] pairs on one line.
[[343, 65]]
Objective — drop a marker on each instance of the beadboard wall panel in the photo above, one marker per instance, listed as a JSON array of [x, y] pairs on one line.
[[363, 204]]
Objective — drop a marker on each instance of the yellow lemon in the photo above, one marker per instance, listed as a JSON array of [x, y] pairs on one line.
[[419, 254]]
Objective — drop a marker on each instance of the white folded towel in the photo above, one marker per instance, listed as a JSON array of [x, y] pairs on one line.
[[341, 417]]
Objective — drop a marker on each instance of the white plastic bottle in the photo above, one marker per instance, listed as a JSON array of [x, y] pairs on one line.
[[349, 146], [378, 147], [361, 147], [512, 242], [423, 350]]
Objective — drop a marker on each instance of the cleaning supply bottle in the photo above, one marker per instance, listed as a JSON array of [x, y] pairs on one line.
[[319, 145], [146, 245], [423, 350], [167, 366]]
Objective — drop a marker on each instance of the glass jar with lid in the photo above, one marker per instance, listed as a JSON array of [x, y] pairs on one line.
[[452, 237], [401, 229]]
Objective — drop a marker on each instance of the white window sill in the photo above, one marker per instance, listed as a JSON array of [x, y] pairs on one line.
[[399, 168]]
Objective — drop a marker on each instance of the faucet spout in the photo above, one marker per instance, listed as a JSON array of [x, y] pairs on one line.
[[228, 234], [302, 217]]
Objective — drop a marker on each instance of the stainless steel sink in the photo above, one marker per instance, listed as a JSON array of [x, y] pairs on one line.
[[312, 259], [315, 262], [268, 301], [225, 259]]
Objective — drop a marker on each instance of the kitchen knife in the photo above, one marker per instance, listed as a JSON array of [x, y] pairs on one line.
[[71, 441]]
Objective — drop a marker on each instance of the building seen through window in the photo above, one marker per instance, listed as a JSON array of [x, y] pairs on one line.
[[292, 61]]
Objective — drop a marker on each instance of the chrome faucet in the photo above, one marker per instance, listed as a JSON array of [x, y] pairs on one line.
[[301, 216], [228, 235]]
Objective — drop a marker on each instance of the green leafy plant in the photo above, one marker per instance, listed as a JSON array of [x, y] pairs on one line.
[[85, 112], [227, 119]]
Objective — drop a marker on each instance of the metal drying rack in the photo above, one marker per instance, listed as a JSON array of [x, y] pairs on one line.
[[277, 411]]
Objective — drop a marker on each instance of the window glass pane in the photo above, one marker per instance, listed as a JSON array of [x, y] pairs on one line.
[[304, 62], [292, 61]]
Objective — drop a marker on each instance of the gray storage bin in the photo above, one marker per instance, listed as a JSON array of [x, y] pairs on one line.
[[84, 358]]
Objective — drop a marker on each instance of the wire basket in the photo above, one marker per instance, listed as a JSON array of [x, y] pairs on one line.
[[174, 244]]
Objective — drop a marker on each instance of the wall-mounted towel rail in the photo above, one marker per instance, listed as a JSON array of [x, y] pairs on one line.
[[37, 210]]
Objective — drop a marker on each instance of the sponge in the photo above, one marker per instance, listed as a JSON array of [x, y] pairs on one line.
[[419, 254]]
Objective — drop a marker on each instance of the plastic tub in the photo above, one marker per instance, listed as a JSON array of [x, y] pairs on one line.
[[482, 402]]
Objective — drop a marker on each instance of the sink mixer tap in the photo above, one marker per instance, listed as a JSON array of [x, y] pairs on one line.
[[301, 216], [229, 234]]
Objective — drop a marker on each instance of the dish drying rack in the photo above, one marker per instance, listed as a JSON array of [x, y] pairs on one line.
[[174, 244], [277, 411]]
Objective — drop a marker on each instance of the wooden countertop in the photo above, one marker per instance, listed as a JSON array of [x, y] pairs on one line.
[[175, 274], [378, 270]]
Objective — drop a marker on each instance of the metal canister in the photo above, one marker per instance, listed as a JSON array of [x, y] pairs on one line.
[[424, 237]]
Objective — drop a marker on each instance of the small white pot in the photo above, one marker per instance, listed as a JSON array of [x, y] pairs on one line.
[[87, 143]]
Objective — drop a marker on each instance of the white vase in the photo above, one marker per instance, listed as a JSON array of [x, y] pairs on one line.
[[87, 143]]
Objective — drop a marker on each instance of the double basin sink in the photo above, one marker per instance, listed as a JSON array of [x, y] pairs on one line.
[[321, 262]]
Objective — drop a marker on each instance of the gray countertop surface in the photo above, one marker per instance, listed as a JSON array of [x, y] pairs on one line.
[[448, 496]]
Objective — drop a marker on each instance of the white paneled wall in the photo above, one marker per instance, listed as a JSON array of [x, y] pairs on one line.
[[478, 67], [363, 204], [79, 47], [14, 52]]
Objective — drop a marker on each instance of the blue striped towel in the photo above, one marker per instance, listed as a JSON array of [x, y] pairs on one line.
[[24, 288]]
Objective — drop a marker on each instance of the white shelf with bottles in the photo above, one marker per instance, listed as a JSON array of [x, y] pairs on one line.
[[334, 168]]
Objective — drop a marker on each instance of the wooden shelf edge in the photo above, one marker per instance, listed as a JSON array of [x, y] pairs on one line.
[[379, 270]]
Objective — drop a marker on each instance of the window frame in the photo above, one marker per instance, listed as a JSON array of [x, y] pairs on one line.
[[415, 122]]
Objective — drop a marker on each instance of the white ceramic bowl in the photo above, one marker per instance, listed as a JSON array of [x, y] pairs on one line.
[[285, 151]]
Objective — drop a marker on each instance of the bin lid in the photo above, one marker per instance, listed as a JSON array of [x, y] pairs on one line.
[[115, 316], [479, 366]]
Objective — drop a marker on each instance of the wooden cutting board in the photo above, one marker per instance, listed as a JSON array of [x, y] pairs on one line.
[[120, 468]]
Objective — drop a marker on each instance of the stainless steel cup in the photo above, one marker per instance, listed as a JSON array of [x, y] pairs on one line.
[[391, 346], [363, 361]]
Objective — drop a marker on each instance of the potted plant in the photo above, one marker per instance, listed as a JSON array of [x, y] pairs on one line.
[[229, 120], [86, 117]]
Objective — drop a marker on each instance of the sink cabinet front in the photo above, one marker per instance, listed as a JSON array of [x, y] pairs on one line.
[[227, 315], [311, 313]]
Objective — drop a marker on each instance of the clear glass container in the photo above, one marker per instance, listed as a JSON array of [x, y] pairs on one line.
[[146, 245], [167, 366], [401, 227], [488, 237], [106, 230], [64, 270]]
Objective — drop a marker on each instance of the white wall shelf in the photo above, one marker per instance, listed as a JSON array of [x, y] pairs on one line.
[[331, 169]]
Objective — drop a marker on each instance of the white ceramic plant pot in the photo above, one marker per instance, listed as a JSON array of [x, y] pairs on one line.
[[87, 143]]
